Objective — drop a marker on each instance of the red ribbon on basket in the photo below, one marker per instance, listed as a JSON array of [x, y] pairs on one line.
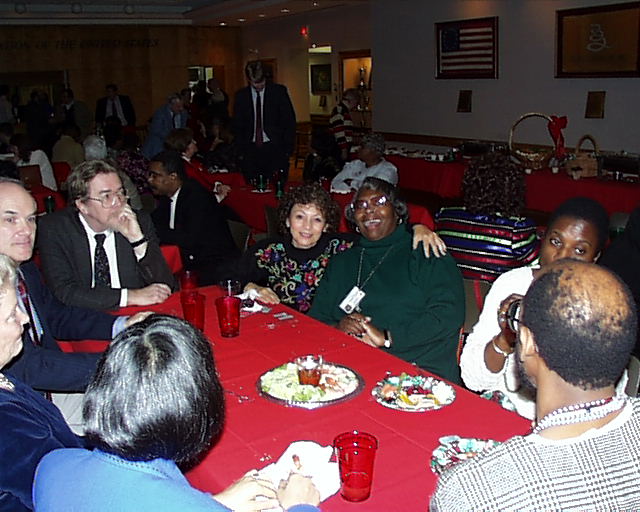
[[555, 126]]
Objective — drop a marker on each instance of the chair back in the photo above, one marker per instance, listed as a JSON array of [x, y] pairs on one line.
[[240, 233], [418, 214], [61, 171], [474, 293], [30, 175], [633, 371], [271, 216]]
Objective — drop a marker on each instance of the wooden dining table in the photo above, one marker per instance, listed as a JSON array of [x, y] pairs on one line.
[[258, 430]]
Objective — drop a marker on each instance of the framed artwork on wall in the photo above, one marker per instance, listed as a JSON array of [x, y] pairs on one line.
[[467, 48], [601, 41], [320, 78]]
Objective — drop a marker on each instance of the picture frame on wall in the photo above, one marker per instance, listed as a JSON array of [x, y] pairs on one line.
[[599, 41], [467, 48], [320, 78]]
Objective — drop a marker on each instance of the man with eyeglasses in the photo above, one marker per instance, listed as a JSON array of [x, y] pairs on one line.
[[574, 333], [41, 364], [98, 252]]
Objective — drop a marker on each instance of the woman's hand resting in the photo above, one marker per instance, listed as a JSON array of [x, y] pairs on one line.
[[265, 295]]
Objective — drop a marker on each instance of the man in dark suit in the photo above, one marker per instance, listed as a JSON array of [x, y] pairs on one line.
[[189, 216], [114, 104], [42, 364], [264, 124], [99, 224]]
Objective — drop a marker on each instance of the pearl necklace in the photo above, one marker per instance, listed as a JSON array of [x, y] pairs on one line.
[[579, 413]]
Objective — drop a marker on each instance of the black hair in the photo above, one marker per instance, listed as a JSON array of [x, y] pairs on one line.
[[309, 193], [155, 393], [172, 162], [587, 209], [584, 323], [384, 187], [494, 184]]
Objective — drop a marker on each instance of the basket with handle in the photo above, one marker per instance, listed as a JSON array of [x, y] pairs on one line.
[[527, 157], [585, 163]]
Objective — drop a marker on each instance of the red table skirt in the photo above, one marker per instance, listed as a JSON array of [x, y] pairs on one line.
[[545, 190]]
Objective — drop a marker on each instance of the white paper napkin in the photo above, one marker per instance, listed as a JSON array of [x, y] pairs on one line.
[[253, 295], [314, 462]]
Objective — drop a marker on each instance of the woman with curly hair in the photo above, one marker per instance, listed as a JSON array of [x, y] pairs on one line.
[[488, 236], [288, 268]]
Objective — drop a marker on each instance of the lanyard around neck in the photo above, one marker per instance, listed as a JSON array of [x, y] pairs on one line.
[[373, 270]]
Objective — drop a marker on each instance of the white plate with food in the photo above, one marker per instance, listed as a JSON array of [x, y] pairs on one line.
[[337, 384], [455, 449], [413, 393]]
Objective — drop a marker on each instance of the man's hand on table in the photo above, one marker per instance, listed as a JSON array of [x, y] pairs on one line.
[[152, 294], [241, 495], [298, 490]]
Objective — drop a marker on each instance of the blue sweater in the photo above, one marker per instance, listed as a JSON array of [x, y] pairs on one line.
[[107, 483]]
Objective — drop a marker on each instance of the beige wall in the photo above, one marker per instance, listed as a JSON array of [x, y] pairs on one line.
[[147, 62], [410, 100]]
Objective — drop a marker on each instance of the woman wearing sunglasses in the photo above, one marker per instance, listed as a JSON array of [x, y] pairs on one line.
[[388, 295], [577, 229]]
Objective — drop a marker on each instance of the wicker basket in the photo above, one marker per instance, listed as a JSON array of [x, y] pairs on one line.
[[585, 163], [529, 158]]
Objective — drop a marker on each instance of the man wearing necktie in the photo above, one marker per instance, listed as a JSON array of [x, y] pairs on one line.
[[98, 252], [264, 124], [114, 104], [42, 364]]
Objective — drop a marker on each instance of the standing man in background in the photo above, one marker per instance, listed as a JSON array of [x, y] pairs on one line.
[[341, 125], [114, 104], [264, 124]]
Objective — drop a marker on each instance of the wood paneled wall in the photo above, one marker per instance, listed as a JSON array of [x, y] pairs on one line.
[[147, 62]]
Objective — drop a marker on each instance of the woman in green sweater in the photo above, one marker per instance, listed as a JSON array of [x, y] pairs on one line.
[[388, 295]]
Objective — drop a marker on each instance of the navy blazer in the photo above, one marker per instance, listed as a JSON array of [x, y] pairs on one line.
[[127, 109], [278, 117], [46, 367], [32, 427], [66, 261]]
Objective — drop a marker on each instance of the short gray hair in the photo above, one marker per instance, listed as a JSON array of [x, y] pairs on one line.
[[95, 148], [374, 141]]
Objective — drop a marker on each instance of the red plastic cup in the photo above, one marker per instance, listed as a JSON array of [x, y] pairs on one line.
[[193, 308], [228, 308], [355, 452], [188, 280]]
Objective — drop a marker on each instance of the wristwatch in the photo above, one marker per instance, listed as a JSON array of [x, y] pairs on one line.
[[388, 340]]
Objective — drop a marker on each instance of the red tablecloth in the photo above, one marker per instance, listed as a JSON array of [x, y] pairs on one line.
[[257, 431], [545, 191], [441, 178]]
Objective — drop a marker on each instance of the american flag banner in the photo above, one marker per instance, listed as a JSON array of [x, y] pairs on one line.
[[467, 48]]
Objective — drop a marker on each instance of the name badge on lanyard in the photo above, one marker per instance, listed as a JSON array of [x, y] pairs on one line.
[[352, 301]]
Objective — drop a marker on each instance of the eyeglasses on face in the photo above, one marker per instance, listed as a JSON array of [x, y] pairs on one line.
[[111, 199], [373, 203]]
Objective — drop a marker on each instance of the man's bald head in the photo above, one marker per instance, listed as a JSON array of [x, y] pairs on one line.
[[583, 320]]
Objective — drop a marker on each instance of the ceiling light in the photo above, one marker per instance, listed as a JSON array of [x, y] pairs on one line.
[[262, 15], [316, 4], [223, 23], [242, 19], [285, 10]]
